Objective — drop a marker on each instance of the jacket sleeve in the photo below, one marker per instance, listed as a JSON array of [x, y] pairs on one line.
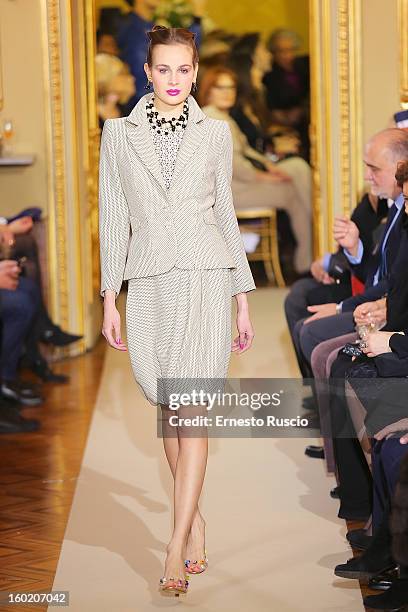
[[399, 345], [370, 295], [227, 220], [114, 222]]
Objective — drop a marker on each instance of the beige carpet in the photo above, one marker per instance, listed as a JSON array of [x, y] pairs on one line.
[[272, 539]]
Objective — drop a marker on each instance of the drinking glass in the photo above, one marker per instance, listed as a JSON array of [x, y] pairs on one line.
[[369, 328]]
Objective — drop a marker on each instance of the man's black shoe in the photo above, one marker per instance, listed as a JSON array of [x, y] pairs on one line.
[[394, 599], [383, 581], [55, 336], [12, 422], [361, 569], [41, 368], [359, 539], [335, 492], [317, 452], [21, 392]]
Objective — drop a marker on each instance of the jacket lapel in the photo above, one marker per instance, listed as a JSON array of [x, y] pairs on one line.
[[141, 142], [140, 139], [192, 137]]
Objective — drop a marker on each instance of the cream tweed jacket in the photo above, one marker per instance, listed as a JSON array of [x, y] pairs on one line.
[[146, 229]]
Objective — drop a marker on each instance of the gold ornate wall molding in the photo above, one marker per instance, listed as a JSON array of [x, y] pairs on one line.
[[94, 133], [316, 131], [1, 77], [403, 50], [57, 230], [335, 47], [73, 146], [350, 101]]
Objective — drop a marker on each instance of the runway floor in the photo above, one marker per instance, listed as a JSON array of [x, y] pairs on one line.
[[273, 537]]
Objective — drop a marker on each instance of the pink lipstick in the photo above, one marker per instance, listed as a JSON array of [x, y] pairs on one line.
[[173, 92]]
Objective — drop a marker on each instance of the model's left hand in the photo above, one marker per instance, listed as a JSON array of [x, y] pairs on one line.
[[320, 311], [246, 333], [377, 343]]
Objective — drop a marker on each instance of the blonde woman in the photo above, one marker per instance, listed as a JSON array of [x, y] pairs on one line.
[[115, 86]]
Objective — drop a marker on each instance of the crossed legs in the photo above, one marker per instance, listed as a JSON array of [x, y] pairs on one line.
[[187, 458]]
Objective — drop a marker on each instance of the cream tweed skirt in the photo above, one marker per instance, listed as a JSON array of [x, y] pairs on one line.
[[179, 327]]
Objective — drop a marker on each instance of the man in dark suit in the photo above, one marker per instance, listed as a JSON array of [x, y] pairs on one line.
[[10, 419], [321, 287], [382, 154], [354, 476]]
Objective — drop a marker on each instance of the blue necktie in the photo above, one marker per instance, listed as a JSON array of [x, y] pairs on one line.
[[392, 218]]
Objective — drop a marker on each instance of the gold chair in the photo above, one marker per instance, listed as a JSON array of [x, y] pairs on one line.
[[262, 221]]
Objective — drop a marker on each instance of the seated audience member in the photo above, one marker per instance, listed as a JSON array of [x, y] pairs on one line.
[[382, 154], [321, 287], [132, 41], [249, 60], [214, 52], [382, 552], [286, 186], [22, 244], [354, 477], [288, 85], [10, 419], [397, 595], [115, 86], [106, 43]]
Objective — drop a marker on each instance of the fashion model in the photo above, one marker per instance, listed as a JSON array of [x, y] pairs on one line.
[[167, 225]]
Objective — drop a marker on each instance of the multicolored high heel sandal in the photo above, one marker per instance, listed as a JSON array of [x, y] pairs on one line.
[[171, 586], [197, 567]]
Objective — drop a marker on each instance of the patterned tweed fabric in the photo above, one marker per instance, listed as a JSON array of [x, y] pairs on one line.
[[146, 228], [167, 224], [178, 322]]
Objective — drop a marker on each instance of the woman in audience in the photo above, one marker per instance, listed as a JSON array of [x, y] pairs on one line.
[[115, 86], [288, 84], [257, 181], [250, 60]]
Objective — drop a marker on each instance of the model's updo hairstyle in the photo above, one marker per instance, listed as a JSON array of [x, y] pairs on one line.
[[161, 35]]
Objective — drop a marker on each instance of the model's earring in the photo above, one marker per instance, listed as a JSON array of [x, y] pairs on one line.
[[194, 87], [147, 86]]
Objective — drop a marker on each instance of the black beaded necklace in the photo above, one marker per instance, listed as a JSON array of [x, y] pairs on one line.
[[161, 124]]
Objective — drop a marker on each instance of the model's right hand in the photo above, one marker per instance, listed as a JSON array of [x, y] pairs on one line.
[[111, 324]]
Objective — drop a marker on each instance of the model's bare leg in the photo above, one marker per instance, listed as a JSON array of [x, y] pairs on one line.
[[188, 481], [196, 536]]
